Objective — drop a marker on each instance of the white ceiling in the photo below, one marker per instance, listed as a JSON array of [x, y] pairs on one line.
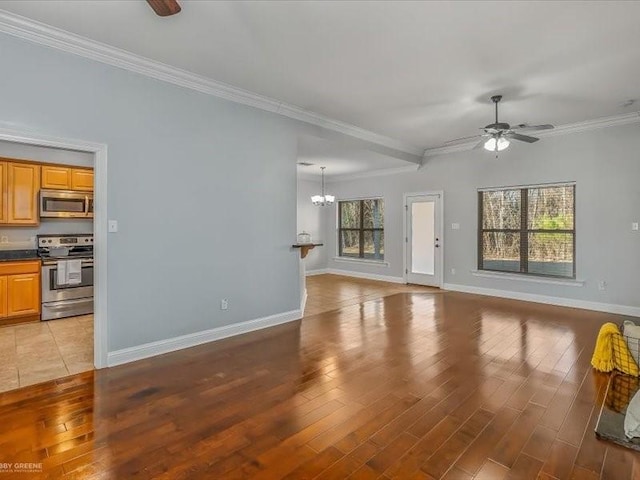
[[341, 159], [420, 72]]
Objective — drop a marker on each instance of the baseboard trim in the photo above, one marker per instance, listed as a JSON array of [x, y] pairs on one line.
[[320, 271], [160, 347], [558, 301], [367, 276]]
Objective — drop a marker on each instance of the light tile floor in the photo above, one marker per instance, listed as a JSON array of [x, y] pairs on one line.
[[37, 352]]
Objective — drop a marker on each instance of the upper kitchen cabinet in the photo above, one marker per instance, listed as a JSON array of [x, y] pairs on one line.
[[56, 178], [82, 179], [22, 187], [67, 178]]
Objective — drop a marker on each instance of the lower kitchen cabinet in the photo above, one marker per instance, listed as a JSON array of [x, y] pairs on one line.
[[3, 297], [19, 291], [23, 294]]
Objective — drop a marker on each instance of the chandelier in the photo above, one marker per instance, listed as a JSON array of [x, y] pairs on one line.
[[322, 200]]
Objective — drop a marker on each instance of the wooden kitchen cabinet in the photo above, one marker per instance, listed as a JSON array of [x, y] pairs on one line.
[[3, 192], [19, 291], [23, 185], [3, 297], [23, 294], [82, 179], [56, 178]]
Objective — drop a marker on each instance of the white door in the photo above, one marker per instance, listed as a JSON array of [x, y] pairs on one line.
[[423, 239]]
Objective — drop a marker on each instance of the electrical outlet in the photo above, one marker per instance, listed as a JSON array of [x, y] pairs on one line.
[[602, 285], [453, 271], [455, 226], [4, 239], [634, 226], [224, 304]]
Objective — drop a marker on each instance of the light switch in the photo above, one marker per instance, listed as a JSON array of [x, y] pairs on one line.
[[634, 226], [113, 226], [455, 226]]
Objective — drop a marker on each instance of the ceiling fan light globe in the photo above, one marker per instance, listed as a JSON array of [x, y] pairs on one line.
[[490, 144], [502, 143]]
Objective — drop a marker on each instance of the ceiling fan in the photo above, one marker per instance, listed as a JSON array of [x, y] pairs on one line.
[[497, 136], [165, 8]]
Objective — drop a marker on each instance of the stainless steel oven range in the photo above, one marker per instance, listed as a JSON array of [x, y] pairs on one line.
[[62, 298]]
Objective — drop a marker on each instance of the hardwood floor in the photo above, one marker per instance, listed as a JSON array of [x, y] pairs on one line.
[[413, 385], [331, 292]]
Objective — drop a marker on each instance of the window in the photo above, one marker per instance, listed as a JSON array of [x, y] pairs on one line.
[[528, 230], [361, 229]]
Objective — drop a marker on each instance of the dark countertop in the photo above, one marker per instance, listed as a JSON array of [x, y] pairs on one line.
[[14, 255]]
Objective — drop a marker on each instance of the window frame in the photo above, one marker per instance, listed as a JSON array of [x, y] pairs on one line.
[[361, 230], [524, 230]]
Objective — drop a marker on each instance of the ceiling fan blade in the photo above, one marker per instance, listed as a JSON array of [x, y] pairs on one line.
[[480, 144], [165, 8], [522, 138], [533, 128], [462, 139]]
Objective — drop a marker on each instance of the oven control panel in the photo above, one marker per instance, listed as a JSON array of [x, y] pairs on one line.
[[53, 241]]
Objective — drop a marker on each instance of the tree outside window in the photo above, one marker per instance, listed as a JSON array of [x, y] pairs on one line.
[[528, 230], [361, 229]]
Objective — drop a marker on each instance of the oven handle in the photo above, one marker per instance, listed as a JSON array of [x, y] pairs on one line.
[[53, 263], [86, 205], [66, 304]]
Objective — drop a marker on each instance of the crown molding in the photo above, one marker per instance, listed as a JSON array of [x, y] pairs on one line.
[[585, 126], [588, 125], [43, 34], [461, 147]]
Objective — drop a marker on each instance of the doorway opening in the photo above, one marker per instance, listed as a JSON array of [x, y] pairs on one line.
[[62, 329]]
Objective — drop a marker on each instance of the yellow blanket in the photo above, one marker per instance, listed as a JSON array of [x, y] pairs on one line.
[[612, 352]]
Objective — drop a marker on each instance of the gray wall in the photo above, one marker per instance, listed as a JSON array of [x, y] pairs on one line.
[[311, 220], [24, 237], [204, 191], [605, 164]]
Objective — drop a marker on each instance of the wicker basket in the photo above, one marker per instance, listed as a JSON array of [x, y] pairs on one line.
[[633, 344]]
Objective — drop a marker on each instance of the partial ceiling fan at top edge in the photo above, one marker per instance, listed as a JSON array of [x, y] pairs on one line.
[[165, 8]]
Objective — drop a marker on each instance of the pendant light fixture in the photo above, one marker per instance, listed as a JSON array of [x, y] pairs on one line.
[[322, 200]]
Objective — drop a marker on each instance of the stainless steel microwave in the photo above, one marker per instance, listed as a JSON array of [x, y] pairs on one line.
[[65, 204]]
